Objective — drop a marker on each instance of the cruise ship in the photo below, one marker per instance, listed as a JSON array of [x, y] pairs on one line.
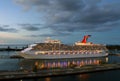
[[54, 49]]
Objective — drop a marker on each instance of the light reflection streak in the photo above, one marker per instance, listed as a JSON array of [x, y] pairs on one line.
[[48, 79], [64, 63], [83, 77]]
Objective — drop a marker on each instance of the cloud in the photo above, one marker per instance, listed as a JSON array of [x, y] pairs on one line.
[[42, 35], [51, 4], [50, 35], [6, 28], [75, 15], [30, 27]]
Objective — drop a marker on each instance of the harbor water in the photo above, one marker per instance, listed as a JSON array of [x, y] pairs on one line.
[[10, 64]]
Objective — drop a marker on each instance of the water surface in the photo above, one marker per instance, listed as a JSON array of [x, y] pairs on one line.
[[6, 63]]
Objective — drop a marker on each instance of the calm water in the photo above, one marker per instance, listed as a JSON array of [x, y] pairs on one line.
[[16, 64]]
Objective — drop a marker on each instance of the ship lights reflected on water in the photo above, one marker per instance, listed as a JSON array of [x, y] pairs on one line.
[[106, 59], [83, 77], [47, 79], [63, 63]]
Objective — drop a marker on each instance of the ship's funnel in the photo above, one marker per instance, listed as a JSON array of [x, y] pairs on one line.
[[85, 38]]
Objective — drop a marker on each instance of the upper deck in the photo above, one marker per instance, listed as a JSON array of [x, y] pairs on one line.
[[50, 44], [48, 40], [56, 46]]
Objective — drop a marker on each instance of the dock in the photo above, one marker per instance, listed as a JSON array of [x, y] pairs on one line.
[[14, 75], [115, 54], [12, 47], [16, 57]]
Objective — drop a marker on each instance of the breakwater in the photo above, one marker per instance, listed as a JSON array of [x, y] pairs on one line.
[[12, 47], [58, 72]]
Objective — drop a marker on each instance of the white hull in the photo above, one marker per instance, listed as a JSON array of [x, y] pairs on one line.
[[61, 56]]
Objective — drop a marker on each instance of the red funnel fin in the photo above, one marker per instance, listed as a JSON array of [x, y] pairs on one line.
[[85, 38]]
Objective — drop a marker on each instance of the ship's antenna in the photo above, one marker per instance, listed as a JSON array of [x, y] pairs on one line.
[[85, 38]]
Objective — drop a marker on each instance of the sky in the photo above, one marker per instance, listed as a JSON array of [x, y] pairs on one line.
[[29, 21]]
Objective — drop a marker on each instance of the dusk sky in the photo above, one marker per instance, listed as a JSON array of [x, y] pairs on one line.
[[29, 21]]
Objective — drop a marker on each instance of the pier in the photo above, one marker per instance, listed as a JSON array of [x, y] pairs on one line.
[[13, 75], [12, 47]]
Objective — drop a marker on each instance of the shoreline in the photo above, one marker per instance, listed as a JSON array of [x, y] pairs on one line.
[[59, 72]]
